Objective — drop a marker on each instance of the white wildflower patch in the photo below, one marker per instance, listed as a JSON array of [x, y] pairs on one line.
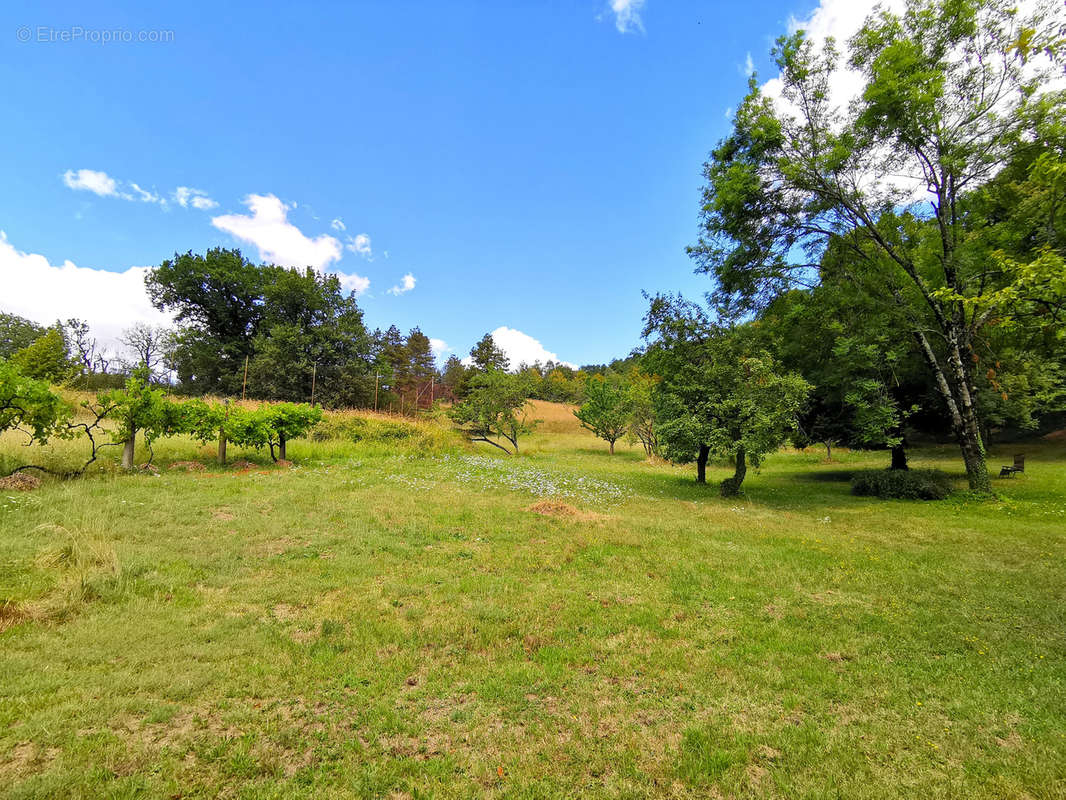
[[483, 472]]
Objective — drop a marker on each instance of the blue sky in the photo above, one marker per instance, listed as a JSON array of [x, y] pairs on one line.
[[528, 165]]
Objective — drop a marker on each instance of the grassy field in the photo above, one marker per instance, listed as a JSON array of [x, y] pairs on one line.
[[404, 616]]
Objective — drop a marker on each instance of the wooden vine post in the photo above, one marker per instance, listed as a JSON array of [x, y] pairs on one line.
[[222, 436]]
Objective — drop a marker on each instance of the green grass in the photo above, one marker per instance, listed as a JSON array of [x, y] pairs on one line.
[[394, 622]]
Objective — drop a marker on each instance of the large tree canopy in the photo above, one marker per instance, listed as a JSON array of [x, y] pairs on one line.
[[951, 93], [295, 329], [721, 392]]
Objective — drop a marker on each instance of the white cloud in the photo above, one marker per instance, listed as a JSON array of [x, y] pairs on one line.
[[439, 347], [839, 19], [278, 240], [103, 185], [627, 15], [360, 244], [90, 180], [354, 283], [521, 348], [749, 65], [43, 292], [407, 283], [338, 225], [185, 196]]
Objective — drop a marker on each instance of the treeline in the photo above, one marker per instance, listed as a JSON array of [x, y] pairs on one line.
[[265, 332]]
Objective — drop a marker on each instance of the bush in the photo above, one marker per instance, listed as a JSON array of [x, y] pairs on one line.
[[902, 484]]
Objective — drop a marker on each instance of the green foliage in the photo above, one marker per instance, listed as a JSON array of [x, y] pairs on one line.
[[720, 392], [492, 409], [606, 410], [217, 301], [30, 405], [16, 333], [295, 328], [946, 98], [641, 424], [46, 358], [142, 408], [487, 356], [911, 484]]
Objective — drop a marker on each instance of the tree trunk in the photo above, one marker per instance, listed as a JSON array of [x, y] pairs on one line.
[[899, 456], [959, 400], [612, 447], [701, 464], [969, 432], [828, 451], [128, 451], [281, 446], [731, 486], [221, 447]]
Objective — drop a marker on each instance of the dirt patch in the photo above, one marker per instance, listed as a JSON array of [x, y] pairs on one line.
[[20, 482], [243, 466], [25, 758], [188, 466], [836, 657], [281, 463], [1056, 436], [555, 508], [1011, 741], [223, 514]]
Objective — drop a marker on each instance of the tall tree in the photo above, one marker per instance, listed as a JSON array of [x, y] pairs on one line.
[[949, 87], [46, 358], [217, 299], [16, 333], [311, 338], [487, 356], [147, 345]]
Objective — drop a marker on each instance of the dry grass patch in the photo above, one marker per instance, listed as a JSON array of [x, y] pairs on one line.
[[188, 466], [555, 508], [20, 482]]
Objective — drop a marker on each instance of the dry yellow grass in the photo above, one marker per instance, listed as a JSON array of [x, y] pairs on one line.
[[554, 417]]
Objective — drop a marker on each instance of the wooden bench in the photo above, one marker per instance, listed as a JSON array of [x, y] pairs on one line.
[[1018, 466]]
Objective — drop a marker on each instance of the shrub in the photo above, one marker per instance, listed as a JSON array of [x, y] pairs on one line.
[[902, 484]]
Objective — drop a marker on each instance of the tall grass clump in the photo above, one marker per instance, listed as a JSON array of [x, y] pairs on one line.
[[426, 434], [902, 484]]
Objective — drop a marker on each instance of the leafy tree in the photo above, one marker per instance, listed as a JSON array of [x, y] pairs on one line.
[[948, 96], [487, 356], [606, 410], [217, 299], [492, 409], [310, 335], [17, 333], [285, 421], [46, 358], [140, 408], [29, 405], [720, 393], [641, 424], [866, 380]]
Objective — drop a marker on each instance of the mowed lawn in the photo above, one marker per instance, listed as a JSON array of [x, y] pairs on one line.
[[380, 621]]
